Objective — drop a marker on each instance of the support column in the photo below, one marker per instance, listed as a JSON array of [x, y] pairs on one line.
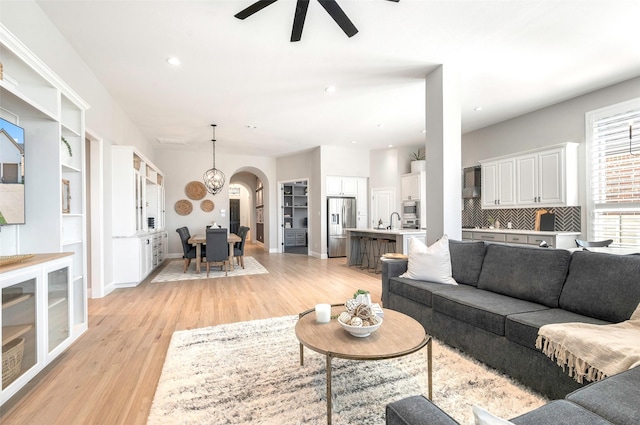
[[443, 154]]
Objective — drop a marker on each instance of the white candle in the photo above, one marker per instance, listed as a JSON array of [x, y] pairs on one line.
[[323, 313]]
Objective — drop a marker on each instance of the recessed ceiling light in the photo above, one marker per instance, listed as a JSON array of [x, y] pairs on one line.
[[330, 89], [173, 61], [353, 142], [251, 126], [380, 125], [478, 108], [389, 146]]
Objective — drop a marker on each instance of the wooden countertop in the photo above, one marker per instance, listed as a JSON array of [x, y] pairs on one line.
[[36, 259]]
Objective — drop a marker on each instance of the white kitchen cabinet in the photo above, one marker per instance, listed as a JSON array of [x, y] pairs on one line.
[[498, 183], [548, 178], [37, 312], [413, 186], [342, 186], [563, 240]]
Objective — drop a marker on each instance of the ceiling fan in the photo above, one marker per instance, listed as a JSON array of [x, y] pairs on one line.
[[331, 6]]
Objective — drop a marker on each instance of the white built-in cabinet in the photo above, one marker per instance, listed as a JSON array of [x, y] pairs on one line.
[[36, 99], [545, 177], [138, 207], [39, 317]]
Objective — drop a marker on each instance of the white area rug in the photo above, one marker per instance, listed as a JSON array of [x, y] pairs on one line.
[[173, 271], [249, 373]]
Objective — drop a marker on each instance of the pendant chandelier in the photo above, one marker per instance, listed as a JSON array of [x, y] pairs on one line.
[[214, 178]]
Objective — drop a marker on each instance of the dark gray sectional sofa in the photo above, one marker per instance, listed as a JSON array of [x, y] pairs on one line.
[[613, 400], [506, 293]]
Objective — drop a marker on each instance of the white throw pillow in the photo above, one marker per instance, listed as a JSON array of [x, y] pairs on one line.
[[483, 417], [432, 264]]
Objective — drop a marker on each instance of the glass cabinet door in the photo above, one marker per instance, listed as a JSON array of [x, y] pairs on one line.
[[19, 343], [58, 305]]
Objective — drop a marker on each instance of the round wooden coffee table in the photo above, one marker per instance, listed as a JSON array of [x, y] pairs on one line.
[[398, 336]]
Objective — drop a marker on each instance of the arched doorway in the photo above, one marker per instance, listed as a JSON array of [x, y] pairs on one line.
[[247, 204]]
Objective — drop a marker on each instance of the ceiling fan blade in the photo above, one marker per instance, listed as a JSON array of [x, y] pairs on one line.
[[298, 19], [255, 7], [338, 15], [396, 1]]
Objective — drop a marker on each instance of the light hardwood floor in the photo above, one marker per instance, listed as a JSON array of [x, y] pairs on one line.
[[110, 374]]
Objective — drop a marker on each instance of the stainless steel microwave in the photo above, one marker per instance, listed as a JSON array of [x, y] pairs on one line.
[[410, 209]]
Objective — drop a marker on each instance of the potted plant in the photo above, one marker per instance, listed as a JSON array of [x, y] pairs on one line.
[[418, 162]]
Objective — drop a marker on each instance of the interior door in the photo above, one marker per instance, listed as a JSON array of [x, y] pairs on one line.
[[382, 205], [234, 215]]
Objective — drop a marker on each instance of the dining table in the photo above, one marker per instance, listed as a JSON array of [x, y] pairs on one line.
[[201, 239]]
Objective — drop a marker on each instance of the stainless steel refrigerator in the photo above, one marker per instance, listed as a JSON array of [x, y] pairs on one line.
[[341, 214]]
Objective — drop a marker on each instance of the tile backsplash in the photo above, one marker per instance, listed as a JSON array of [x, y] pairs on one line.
[[567, 218]]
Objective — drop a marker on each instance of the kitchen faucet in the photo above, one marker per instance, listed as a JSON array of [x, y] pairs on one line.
[[391, 219]]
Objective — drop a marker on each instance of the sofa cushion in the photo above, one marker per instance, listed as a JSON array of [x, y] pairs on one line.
[[615, 398], [527, 273], [419, 290], [522, 328], [466, 260], [483, 309], [560, 412], [430, 263], [601, 285]]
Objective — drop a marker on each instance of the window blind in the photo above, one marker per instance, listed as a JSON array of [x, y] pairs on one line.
[[615, 177]]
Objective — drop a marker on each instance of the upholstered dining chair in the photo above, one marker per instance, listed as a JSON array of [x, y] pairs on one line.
[[593, 244], [238, 247], [189, 251], [217, 249]]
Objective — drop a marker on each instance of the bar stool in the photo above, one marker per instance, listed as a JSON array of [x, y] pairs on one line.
[[365, 245], [375, 253], [384, 246]]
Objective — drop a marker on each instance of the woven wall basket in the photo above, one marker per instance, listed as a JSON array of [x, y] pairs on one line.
[[195, 190], [184, 207]]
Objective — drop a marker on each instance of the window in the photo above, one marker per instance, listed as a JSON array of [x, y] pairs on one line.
[[613, 140]]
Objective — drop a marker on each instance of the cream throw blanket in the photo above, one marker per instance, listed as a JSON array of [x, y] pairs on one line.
[[593, 352]]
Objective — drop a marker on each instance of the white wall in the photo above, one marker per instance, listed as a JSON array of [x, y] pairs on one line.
[[388, 165], [184, 164]]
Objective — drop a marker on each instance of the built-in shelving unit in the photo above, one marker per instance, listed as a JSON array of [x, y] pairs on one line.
[[139, 236], [259, 200], [36, 317], [295, 214], [36, 99]]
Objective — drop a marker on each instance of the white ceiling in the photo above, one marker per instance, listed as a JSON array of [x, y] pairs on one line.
[[513, 56]]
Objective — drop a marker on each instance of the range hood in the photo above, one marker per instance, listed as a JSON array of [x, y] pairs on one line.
[[471, 183]]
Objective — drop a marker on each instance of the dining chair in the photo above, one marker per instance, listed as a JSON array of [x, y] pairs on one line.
[[238, 247], [189, 251], [593, 244], [217, 249]]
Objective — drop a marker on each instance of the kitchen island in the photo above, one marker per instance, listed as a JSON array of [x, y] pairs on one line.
[[399, 236]]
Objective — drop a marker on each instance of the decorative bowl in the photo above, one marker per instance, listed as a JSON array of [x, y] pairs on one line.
[[360, 331]]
